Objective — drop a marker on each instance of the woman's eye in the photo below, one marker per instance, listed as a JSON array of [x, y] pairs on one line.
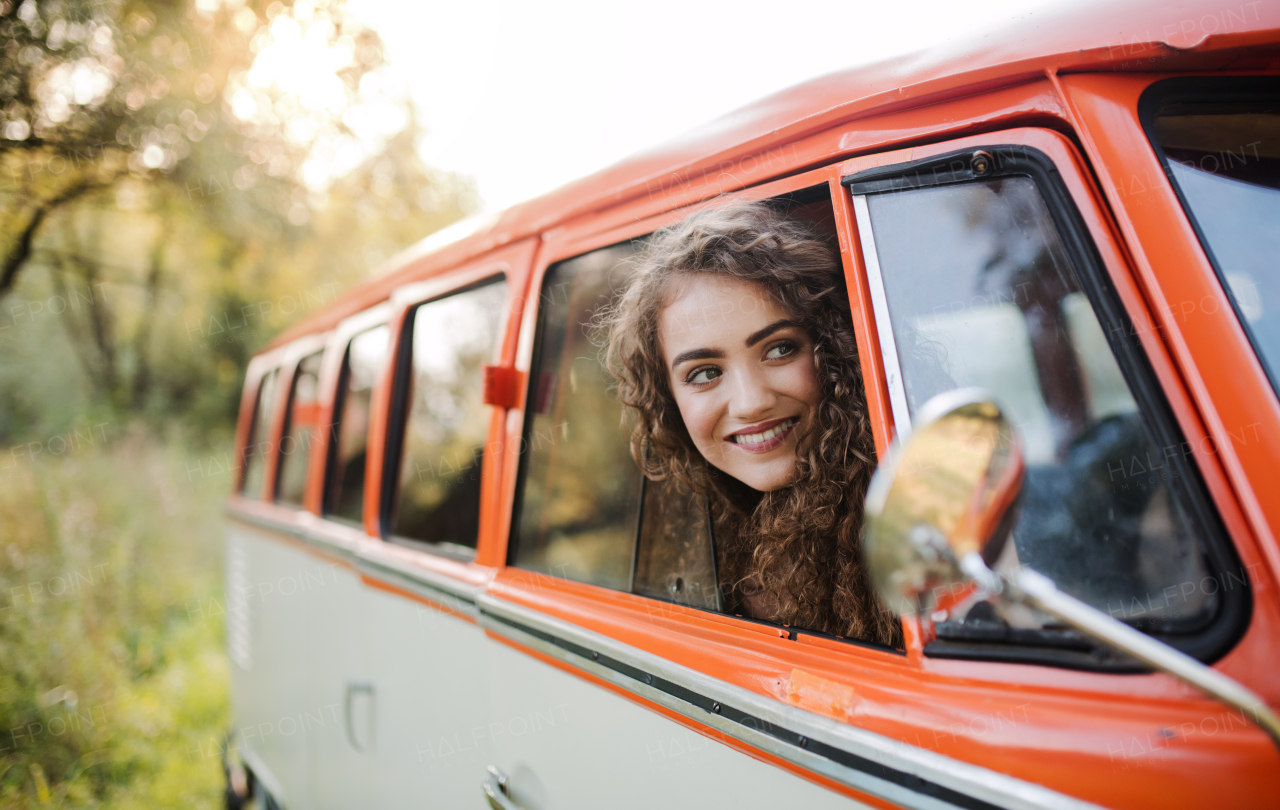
[[779, 351], [703, 375]]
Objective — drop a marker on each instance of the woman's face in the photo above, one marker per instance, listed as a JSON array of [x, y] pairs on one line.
[[743, 374]]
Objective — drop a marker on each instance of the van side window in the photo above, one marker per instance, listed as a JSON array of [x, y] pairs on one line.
[[259, 444], [580, 510], [580, 503], [300, 429], [437, 497], [982, 291], [364, 361]]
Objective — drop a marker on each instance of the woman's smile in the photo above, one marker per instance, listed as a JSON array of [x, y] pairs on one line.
[[743, 374], [764, 437]]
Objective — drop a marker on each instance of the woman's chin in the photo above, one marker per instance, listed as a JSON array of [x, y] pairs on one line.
[[766, 477], [773, 486]]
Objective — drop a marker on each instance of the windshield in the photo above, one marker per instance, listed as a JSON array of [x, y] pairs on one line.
[[1222, 152]]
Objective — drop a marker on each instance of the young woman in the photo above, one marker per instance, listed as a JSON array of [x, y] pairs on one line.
[[735, 357]]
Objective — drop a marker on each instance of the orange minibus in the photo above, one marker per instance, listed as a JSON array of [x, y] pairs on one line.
[[450, 585]]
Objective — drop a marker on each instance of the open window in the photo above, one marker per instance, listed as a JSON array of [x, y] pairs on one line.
[[983, 274], [584, 511]]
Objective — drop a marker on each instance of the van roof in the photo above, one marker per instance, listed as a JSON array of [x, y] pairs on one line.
[[1103, 35]]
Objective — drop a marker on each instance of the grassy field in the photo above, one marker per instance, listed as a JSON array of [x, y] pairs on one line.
[[113, 682]]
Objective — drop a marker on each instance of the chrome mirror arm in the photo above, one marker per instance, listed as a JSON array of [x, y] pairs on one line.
[[1027, 586]]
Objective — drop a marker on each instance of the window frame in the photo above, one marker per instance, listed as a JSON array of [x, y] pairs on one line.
[[295, 353], [1016, 155], [405, 302], [333, 378]]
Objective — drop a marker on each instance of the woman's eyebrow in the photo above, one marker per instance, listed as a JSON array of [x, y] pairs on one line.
[[697, 354], [761, 334]]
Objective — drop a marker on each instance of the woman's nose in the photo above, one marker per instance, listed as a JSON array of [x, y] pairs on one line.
[[752, 397]]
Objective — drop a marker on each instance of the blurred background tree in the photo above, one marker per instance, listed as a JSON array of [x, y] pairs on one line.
[[172, 175], [179, 180]]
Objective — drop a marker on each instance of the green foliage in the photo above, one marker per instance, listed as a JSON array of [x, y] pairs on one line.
[[112, 677]]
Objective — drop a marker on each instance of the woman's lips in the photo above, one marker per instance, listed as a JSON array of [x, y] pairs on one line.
[[765, 436]]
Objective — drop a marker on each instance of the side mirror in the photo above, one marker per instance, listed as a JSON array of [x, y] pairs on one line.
[[938, 513], [949, 491]]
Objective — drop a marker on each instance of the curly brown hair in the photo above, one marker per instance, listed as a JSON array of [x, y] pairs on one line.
[[796, 550]]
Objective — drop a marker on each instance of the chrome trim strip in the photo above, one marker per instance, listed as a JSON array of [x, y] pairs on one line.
[[884, 327], [444, 590], [911, 777], [457, 596], [313, 538], [327, 545], [264, 523]]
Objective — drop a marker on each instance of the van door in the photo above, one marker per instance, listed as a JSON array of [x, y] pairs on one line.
[[982, 272], [989, 261]]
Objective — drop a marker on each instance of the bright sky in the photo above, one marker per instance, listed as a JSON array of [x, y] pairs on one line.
[[527, 96]]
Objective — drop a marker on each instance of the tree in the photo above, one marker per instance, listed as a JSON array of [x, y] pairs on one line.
[[168, 160], [174, 93]]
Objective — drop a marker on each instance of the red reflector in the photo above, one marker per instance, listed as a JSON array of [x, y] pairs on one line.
[[501, 386]]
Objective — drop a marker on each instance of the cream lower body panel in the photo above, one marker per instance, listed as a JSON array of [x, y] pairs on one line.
[[447, 685], [446, 701], [271, 592], [430, 690], [564, 742]]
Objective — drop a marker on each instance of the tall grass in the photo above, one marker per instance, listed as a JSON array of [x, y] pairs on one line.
[[112, 674]]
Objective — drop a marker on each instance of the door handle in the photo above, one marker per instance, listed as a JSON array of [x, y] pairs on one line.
[[495, 789], [354, 687]]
